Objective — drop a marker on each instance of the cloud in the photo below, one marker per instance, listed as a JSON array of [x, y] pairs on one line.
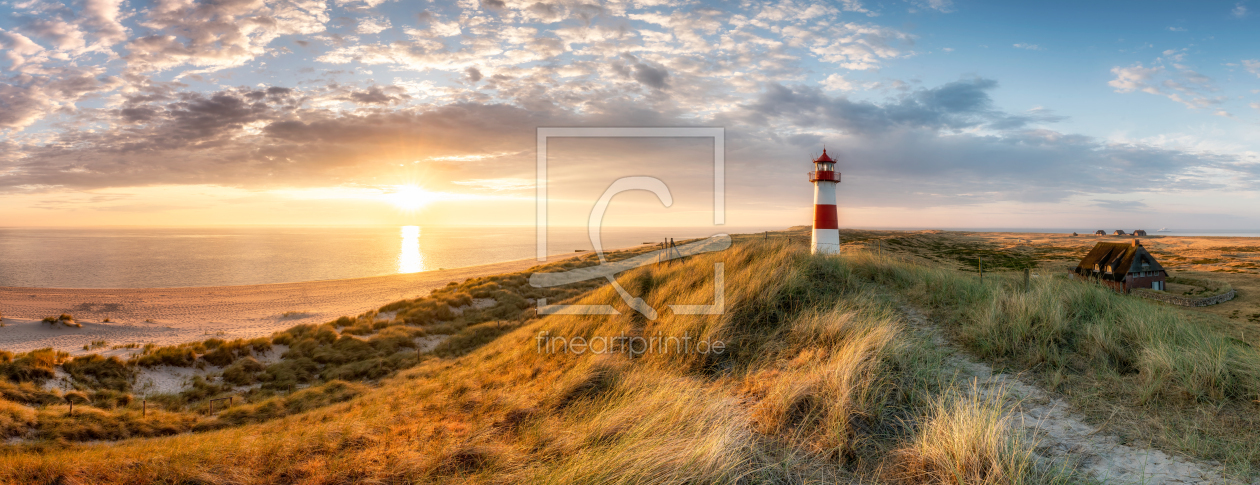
[[1252, 66], [856, 47], [938, 5], [1031, 47], [25, 99], [948, 145], [1183, 85], [1177, 29], [1239, 11], [377, 95], [499, 184], [1121, 205], [1134, 78], [647, 73], [20, 50], [471, 82], [263, 138], [953, 106], [218, 35], [373, 25], [837, 82]]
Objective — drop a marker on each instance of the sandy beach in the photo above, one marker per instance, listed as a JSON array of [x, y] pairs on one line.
[[175, 315]]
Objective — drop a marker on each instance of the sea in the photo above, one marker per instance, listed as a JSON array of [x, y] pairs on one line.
[[191, 257]]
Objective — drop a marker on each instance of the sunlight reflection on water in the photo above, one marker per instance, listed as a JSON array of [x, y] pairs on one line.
[[409, 258]]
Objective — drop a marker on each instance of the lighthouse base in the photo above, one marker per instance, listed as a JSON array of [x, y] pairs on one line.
[[825, 241]]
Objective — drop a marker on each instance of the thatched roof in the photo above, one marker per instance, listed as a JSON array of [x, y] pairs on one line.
[[1114, 260]]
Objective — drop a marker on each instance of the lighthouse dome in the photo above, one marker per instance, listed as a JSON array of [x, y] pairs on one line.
[[824, 158]]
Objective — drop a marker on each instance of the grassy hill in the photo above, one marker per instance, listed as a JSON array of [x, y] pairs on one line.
[[820, 379]]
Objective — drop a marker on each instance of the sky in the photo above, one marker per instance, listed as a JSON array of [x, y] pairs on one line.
[[943, 114]]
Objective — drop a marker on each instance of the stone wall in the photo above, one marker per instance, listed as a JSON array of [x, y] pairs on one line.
[[1184, 300]]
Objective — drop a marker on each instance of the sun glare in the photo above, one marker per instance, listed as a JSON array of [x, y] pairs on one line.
[[410, 259], [409, 197]]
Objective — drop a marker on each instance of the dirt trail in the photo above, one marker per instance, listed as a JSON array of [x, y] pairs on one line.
[[1064, 436]]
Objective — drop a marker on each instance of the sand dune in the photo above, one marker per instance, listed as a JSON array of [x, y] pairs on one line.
[[175, 315]]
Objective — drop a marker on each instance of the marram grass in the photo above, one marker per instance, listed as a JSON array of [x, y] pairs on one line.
[[820, 382]]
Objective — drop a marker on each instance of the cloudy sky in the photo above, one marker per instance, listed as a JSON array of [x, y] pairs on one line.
[[1119, 115]]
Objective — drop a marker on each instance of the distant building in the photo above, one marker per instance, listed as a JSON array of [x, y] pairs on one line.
[[1074, 234], [1122, 266], [1119, 232], [1139, 232], [1100, 232]]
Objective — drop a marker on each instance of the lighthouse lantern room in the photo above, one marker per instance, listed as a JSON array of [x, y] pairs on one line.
[[826, 237]]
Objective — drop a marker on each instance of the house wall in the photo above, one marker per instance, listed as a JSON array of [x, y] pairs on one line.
[[1129, 283], [1114, 285], [1143, 281]]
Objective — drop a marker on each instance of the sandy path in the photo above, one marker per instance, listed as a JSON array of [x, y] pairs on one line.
[[1064, 436], [175, 315]]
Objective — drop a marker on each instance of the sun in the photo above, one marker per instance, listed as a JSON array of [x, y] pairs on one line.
[[409, 197]]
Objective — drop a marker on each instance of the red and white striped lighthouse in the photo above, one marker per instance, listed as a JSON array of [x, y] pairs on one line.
[[826, 238]]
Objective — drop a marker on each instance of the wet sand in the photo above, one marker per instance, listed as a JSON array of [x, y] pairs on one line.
[[176, 315]]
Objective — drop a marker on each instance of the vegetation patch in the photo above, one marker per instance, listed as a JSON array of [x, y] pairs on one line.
[[822, 383]]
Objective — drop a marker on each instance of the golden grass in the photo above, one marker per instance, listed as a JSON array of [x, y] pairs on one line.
[[820, 382], [969, 438]]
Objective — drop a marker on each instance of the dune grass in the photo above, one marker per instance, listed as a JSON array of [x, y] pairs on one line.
[[1147, 370], [818, 381], [966, 439]]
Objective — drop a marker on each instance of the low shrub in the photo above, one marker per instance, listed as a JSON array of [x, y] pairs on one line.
[[179, 356], [297, 402], [89, 423], [29, 393], [96, 372], [243, 372], [15, 419], [110, 399], [470, 339], [34, 366]]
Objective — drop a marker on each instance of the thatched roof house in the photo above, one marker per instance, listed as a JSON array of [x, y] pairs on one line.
[[1119, 232], [1139, 232], [1122, 266], [1100, 232]]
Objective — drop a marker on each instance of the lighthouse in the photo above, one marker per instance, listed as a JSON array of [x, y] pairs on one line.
[[826, 238]]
